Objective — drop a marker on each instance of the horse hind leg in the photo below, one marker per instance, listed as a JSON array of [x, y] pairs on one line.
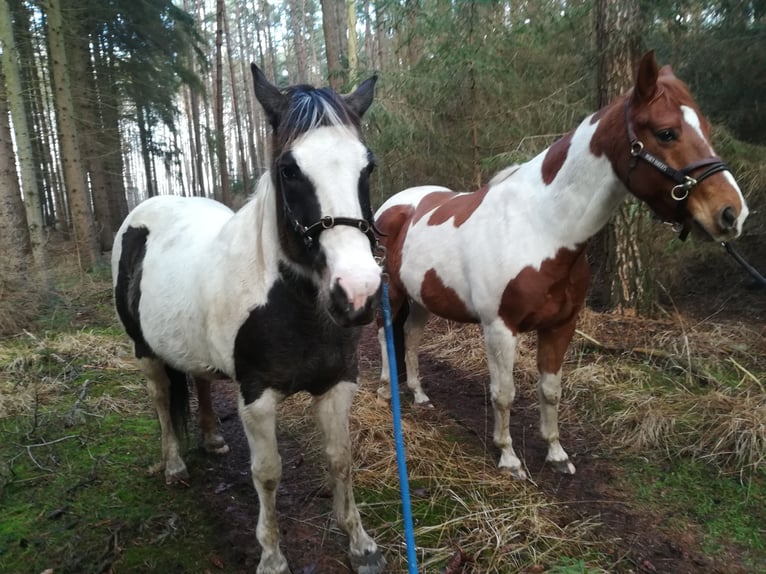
[[412, 334], [212, 440], [551, 348], [501, 353], [414, 328], [168, 392], [259, 421], [332, 412]]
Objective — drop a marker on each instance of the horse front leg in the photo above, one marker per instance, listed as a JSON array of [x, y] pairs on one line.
[[332, 412], [552, 345], [500, 343], [159, 387], [212, 440], [259, 419]]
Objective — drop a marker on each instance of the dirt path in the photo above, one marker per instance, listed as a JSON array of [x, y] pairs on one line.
[[313, 544]]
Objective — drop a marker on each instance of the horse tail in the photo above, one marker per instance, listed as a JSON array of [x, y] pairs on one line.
[[179, 400], [397, 324]]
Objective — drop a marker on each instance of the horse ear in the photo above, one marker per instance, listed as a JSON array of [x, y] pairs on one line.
[[272, 100], [646, 79], [361, 99]]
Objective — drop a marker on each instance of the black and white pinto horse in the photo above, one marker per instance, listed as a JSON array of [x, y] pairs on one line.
[[272, 296]]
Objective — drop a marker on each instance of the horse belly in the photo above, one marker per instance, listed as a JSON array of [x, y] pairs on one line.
[[179, 233]]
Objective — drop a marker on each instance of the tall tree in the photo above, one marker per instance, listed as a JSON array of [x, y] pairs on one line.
[[14, 233], [331, 26], [296, 18], [353, 57], [219, 125], [16, 100], [77, 191], [235, 90], [618, 37]]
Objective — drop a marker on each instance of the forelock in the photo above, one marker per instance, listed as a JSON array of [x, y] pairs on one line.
[[311, 108]]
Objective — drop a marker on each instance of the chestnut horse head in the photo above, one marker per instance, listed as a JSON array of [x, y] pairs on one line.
[[660, 149]]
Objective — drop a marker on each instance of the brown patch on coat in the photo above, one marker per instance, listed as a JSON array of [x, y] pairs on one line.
[[394, 223], [555, 158], [449, 204], [547, 298], [444, 301]]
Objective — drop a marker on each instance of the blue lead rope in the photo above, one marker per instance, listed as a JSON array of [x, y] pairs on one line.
[[401, 461]]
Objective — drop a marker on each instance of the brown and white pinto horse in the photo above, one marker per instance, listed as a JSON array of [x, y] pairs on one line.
[[511, 256]]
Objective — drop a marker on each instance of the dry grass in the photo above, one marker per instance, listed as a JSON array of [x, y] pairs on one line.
[[38, 370], [20, 301], [460, 500], [688, 388]]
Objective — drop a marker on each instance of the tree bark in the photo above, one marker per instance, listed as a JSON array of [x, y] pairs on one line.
[[330, 26], [74, 173], [15, 98], [618, 37], [235, 104], [353, 58], [219, 126], [89, 126], [296, 19], [14, 233]]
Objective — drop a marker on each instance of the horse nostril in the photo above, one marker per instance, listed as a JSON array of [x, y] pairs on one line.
[[728, 217]]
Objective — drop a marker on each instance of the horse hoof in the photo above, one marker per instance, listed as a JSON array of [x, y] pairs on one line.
[[425, 405], [216, 445], [383, 395], [220, 450], [563, 466], [177, 476], [372, 563], [515, 473]]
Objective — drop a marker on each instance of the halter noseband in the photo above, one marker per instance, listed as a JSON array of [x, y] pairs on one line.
[[310, 233], [684, 182]]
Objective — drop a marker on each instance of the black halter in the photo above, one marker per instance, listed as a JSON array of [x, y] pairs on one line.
[[684, 181], [310, 233]]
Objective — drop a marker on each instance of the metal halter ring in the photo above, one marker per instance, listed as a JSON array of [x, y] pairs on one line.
[[636, 147], [327, 222], [681, 191]]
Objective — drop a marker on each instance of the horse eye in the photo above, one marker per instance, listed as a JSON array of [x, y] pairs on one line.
[[290, 172], [666, 136]]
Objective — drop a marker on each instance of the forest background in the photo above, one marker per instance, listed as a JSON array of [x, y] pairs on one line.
[[113, 101]]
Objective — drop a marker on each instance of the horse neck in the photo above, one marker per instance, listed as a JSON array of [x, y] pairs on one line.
[[586, 190], [251, 235]]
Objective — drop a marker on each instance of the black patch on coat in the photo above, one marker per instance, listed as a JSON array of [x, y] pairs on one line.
[[291, 344], [127, 289]]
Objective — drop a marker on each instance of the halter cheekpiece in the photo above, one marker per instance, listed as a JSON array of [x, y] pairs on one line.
[[684, 181]]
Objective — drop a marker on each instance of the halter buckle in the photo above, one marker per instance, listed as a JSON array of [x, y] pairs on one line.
[[636, 147], [328, 222], [379, 253]]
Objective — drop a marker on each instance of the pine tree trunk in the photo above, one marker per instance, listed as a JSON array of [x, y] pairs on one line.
[[330, 26], [15, 99], [14, 234], [219, 125], [235, 104], [69, 144], [89, 127], [353, 59], [618, 36], [295, 15]]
